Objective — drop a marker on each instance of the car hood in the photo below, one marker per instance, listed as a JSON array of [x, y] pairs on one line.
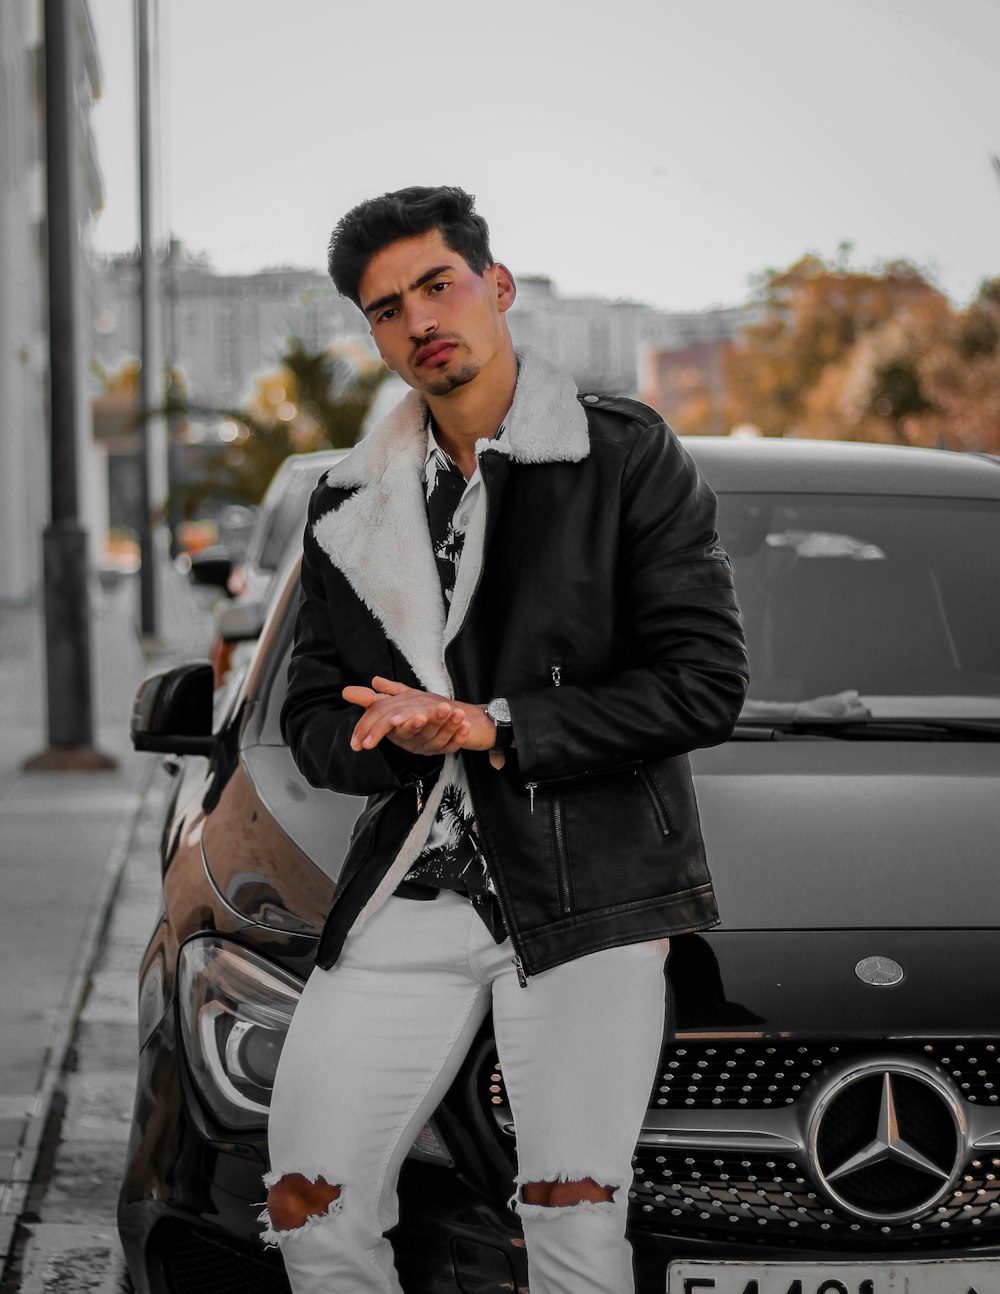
[[801, 835], [831, 834]]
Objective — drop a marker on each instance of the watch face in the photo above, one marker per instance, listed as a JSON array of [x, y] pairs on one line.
[[499, 710]]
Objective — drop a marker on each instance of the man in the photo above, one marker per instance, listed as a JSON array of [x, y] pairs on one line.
[[515, 622]]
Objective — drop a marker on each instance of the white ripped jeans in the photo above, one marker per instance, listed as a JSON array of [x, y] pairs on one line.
[[375, 1043]]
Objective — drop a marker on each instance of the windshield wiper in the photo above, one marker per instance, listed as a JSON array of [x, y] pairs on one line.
[[904, 728]]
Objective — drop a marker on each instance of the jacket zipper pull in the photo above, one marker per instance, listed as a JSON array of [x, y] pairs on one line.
[[418, 784], [556, 675], [531, 787], [522, 979]]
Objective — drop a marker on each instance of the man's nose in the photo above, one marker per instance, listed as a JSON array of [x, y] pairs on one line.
[[421, 321]]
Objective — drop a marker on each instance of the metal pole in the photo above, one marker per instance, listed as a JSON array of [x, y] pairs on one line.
[[69, 690], [147, 549], [174, 467]]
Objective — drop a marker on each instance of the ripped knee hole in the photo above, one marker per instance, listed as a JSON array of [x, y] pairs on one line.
[[557, 1194], [293, 1200]]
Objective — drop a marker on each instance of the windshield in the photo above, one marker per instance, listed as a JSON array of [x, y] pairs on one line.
[[287, 519], [880, 606], [854, 607]]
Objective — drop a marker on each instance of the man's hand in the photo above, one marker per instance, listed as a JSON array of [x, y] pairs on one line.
[[422, 723]]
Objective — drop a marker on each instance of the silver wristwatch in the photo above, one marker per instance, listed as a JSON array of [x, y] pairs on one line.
[[499, 711]]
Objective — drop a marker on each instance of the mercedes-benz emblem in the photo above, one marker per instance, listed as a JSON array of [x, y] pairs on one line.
[[879, 970], [887, 1140]]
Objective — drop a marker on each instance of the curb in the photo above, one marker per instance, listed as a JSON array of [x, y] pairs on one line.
[[13, 1195]]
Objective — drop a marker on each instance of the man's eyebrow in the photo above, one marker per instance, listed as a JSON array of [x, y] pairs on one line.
[[417, 283]]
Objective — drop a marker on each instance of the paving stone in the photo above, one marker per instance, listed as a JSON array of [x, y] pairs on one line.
[[98, 1106], [100, 1045], [112, 996], [84, 1183], [66, 1259]]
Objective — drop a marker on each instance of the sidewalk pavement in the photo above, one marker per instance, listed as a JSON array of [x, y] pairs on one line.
[[65, 840]]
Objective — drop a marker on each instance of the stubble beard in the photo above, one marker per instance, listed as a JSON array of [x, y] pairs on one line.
[[448, 382]]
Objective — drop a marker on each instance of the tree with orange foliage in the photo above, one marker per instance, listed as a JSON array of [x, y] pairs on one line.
[[798, 372], [314, 400], [962, 376], [857, 355]]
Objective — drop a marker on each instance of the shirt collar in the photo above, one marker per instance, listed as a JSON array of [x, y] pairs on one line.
[[433, 447]]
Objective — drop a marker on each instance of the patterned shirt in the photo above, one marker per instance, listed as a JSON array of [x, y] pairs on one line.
[[451, 859]]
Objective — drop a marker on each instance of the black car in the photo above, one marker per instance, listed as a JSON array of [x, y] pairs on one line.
[[827, 1115]]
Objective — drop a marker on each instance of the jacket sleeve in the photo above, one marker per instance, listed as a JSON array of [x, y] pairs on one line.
[[315, 719], [678, 617]]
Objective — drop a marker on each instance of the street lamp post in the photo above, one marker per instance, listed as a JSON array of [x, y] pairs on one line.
[[69, 681], [148, 609]]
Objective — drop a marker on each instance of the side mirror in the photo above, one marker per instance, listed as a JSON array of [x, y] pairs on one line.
[[212, 566], [172, 712]]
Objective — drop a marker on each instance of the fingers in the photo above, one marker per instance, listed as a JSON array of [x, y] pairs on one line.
[[363, 696], [388, 686], [419, 715], [434, 739], [386, 717], [420, 722]]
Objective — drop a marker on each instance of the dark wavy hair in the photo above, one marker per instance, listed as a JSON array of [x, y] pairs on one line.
[[377, 222]]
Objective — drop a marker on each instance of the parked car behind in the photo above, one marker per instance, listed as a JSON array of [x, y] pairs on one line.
[[825, 1118], [280, 521]]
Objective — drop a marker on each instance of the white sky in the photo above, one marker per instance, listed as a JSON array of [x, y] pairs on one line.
[[650, 149]]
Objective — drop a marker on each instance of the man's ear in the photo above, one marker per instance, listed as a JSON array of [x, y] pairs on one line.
[[506, 288]]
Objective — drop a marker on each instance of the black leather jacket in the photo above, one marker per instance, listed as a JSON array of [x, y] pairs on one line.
[[604, 613]]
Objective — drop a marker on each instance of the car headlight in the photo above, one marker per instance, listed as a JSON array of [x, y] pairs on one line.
[[235, 1009]]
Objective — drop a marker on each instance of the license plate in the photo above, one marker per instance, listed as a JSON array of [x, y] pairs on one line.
[[944, 1276]]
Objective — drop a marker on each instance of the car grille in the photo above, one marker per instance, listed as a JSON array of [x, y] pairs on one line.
[[196, 1264], [734, 1191], [775, 1200], [729, 1075]]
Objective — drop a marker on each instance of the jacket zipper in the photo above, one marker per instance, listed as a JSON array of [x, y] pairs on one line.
[[418, 786], [522, 978], [562, 859], [655, 799], [516, 958], [532, 787]]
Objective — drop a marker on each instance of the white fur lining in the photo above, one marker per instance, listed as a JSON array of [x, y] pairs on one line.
[[379, 539]]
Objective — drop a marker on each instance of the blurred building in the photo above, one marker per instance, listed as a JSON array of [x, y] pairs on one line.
[[597, 342], [24, 493], [683, 376], [228, 329], [220, 331], [607, 345]]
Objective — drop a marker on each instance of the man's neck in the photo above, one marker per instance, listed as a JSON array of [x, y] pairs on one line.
[[475, 411]]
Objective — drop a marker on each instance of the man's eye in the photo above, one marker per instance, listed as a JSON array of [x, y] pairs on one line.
[[439, 287], [384, 315]]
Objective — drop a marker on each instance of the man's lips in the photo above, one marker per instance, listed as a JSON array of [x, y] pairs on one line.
[[434, 353]]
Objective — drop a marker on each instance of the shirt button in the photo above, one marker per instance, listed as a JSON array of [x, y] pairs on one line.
[[591, 399]]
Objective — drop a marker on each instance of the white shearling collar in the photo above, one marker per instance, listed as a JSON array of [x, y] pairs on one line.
[[545, 425], [378, 537]]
